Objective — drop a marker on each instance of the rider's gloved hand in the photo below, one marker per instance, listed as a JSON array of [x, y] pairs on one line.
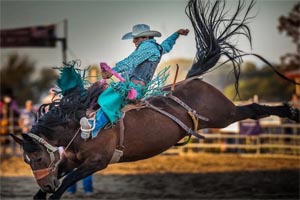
[[183, 31], [106, 74]]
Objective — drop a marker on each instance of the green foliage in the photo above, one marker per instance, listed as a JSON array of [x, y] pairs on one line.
[[17, 74], [291, 26], [248, 67], [264, 83]]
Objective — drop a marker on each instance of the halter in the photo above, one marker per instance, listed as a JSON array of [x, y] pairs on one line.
[[41, 173]]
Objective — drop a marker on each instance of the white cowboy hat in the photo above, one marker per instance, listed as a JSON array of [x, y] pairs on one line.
[[141, 30]]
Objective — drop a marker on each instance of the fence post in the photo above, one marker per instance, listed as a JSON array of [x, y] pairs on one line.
[[258, 145]]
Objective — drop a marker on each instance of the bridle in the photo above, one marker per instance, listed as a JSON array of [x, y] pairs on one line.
[[41, 173]]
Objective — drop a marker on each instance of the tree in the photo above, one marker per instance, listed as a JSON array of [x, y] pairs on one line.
[[248, 67], [16, 74], [262, 82], [291, 25]]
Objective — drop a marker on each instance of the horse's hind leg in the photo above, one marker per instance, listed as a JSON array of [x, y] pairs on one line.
[[256, 111]]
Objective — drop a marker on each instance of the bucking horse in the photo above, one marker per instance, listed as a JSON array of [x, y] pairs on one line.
[[59, 157]]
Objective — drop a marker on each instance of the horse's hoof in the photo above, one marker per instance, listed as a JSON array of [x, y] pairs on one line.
[[294, 112]]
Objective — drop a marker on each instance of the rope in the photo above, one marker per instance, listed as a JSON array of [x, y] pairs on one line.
[[72, 139]]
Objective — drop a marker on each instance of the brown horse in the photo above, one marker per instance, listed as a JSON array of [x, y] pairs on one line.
[[143, 132], [154, 134]]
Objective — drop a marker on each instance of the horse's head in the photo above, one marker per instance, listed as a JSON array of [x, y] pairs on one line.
[[43, 159], [54, 130]]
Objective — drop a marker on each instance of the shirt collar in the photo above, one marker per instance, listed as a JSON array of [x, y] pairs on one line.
[[149, 40]]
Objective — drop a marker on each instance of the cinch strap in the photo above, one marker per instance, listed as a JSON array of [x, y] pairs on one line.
[[118, 153]]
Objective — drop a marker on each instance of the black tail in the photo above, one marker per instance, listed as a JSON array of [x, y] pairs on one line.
[[213, 32]]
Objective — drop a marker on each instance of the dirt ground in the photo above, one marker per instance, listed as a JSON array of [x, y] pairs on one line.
[[194, 176]]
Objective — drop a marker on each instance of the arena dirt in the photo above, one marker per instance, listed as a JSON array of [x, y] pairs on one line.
[[193, 176]]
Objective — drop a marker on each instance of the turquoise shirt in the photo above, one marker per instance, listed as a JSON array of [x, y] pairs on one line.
[[111, 101], [147, 50]]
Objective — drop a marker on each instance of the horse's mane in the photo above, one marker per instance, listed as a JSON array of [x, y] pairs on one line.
[[72, 106]]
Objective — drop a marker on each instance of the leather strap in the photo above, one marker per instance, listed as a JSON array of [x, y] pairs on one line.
[[118, 152], [175, 119], [43, 142], [41, 173], [188, 108], [122, 129]]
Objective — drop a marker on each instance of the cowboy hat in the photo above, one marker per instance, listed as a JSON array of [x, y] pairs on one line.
[[141, 30]]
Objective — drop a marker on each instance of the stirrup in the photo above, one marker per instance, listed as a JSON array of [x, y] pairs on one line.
[[86, 127]]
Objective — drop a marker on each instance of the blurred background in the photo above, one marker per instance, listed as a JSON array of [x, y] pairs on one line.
[[37, 36]]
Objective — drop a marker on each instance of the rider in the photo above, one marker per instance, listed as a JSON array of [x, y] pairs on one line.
[[139, 67]]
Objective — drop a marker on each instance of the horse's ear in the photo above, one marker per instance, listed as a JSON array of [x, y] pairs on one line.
[[17, 139]]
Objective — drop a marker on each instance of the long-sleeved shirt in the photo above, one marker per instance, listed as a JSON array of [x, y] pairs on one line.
[[147, 50]]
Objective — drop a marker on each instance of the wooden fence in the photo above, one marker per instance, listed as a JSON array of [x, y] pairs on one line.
[[276, 141]]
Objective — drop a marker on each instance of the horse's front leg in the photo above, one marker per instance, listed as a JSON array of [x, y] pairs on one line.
[[88, 167], [40, 195]]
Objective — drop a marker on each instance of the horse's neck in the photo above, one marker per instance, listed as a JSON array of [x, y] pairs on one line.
[[58, 138]]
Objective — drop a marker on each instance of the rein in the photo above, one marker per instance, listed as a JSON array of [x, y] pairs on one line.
[[41, 173]]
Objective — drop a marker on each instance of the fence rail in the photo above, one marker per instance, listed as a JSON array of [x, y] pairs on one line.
[[275, 145]]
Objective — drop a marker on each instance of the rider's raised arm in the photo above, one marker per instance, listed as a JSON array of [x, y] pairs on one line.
[[168, 43]]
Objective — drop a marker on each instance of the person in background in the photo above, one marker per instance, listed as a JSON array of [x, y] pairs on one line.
[[295, 101], [27, 117], [87, 184], [9, 115]]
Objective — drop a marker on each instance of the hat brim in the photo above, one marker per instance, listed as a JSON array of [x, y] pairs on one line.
[[144, 34]]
